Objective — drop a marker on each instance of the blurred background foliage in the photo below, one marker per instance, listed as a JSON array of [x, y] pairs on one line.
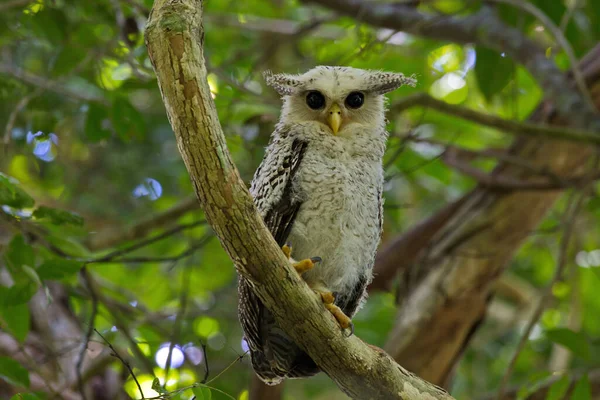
[[89, 168]]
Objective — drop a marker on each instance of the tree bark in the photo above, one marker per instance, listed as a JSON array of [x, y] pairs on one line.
[[174, 36]]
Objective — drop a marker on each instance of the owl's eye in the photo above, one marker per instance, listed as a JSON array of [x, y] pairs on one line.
[[355, 100], [315, 100]]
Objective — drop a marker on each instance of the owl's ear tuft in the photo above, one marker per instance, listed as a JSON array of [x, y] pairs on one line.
[[284, 84], [384, 82]]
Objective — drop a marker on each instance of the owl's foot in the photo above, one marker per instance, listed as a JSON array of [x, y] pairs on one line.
[[300, 266], [345, 322]]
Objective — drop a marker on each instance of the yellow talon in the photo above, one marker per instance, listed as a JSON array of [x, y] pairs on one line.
[[328, 300], [287, 251], [305, 265]]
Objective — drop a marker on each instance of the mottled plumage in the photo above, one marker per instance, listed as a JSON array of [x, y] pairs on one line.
[[319, 189]]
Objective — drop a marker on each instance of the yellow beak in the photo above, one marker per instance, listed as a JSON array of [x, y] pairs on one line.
[[334, 119]]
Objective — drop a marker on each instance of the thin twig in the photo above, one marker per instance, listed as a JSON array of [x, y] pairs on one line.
[[46, 84], [205, 358], [136, 260], [510, 183], [505, 125], [125, 363], [143, 243], [15, 112], [185, 288], [90, 331]]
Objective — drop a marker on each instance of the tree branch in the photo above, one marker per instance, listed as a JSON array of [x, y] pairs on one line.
[[174, 37], [505, 125]]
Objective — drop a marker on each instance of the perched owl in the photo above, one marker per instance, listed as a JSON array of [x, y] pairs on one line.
[[319, 190]]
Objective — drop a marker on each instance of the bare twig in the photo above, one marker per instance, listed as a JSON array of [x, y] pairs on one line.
[[52, 86], [185, 288], [504, 125], [136, 260], [15, 112], [496, 181], [114, 235], [146, 242], [123, 361], [90, 331]]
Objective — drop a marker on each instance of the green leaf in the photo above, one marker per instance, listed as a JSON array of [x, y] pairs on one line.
[[15, 319], [50, 24], [202, 393], [582, 390], [558, 389], [127, 121], [17, 294], [68, 58], [97, 125], [493, 72], [58, 268], [13, 373], [57, 217], [18, 254], [156, 386], [576, 342], [12, 195]]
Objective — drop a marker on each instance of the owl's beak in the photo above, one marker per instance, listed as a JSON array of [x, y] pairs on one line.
[[334, 118]]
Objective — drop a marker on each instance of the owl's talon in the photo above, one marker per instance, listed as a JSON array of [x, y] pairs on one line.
[[345, 322], [351, 330], [305, 265], [287, 250]]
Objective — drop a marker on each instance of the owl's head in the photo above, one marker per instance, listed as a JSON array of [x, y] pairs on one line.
[[337, 97]]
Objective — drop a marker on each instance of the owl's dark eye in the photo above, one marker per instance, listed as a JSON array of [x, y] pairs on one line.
[[315, 100], [355, 100]]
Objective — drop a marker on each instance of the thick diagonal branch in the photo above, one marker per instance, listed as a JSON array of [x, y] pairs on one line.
[[174, 36]]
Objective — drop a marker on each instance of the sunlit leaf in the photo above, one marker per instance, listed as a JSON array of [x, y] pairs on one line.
[[157, 387], [13, 373]]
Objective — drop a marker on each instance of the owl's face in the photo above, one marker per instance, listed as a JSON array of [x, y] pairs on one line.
[[339, 98]]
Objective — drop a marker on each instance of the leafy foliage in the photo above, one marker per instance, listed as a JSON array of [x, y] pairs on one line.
[[90, 173]]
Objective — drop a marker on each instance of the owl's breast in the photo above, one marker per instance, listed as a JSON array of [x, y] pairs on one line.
[[339, 217]]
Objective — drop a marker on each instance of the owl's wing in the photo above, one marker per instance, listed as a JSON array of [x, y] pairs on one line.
[[272, 185], [273, 194]]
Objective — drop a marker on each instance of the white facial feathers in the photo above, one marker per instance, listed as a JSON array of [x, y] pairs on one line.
[[342, 99]]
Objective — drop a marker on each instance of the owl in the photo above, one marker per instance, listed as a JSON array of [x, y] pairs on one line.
[[319, 190]]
